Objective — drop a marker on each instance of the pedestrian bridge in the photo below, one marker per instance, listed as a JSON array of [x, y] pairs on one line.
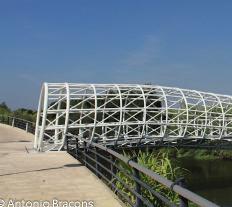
[[92, 121], [130, 115]]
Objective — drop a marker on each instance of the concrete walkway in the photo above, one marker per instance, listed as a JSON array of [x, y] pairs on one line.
[[28, 175]]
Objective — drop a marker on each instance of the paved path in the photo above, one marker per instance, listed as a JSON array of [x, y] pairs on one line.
[[28, 175]]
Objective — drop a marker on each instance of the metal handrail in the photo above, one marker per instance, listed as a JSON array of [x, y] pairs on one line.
[[23, 124], [94, 148]]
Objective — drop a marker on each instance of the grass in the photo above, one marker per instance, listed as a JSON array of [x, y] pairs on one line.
[[160, 163]]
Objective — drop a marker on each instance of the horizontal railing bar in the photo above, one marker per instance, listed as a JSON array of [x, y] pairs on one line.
[[111, 183], [121, 181], [26, 125], [176, 188], [21, 120], [144, 185]]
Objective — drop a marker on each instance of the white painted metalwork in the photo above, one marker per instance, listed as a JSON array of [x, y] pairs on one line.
[[114, 114]]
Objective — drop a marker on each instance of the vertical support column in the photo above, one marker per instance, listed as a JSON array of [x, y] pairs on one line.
[[43, 125], [112, 167], [84, 153], [163, 131], [57, 117], [144, 113], [85, 158], [183, 133], [27, 127], [67, 144], [96, 162], [66, 115], [76, 148], [13, 122], [205, 112], [95, 112], [120, 116], [37, 130], [222, 115]]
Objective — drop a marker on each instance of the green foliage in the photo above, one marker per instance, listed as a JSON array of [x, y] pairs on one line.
[[224, 154], [204, 154], [160, 163], [4, 109], [21, 113], [26, 114]]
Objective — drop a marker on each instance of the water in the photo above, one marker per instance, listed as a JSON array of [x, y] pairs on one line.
[[211, 179]]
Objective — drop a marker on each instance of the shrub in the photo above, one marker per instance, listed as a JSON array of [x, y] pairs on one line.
[[158, 162]]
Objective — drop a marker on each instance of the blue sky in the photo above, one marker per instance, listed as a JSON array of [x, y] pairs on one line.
[[186, 44]]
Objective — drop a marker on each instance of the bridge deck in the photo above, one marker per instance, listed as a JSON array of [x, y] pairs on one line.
[[25, 174]]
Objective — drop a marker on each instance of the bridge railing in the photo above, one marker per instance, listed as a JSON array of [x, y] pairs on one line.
[[105, 163], [19, 123]]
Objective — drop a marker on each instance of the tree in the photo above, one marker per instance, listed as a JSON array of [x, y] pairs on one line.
[[4, 109]]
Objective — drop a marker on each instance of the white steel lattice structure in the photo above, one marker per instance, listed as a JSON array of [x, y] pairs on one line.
[[121, 114]]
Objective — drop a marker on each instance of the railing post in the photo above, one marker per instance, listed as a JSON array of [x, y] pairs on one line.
[[136, 174], [111, 165], [96, 162], [13, 122], [85, 151], [76, 149], [113, 168], [67, 144], [27, 127]]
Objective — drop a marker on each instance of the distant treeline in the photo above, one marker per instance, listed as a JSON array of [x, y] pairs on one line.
[[21, 113]]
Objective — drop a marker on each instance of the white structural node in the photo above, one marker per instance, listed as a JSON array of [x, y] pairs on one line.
[[124, 114]]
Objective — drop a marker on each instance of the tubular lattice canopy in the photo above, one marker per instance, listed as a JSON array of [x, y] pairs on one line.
[[123, 114]]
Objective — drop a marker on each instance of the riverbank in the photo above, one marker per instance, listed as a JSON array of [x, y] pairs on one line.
[[198, 154]]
